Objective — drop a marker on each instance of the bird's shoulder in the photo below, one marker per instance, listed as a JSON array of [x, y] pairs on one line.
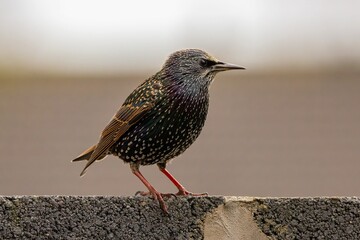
[[149, 92]]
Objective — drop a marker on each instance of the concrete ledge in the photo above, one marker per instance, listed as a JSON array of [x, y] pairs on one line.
[[76, 217]]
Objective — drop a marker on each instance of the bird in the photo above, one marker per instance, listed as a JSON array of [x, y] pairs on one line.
[[161, 118]]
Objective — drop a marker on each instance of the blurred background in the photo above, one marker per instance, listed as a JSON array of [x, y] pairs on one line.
[[287, 126]]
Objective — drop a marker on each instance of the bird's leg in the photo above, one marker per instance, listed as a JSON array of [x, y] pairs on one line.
[[182, 190], [156, 195]]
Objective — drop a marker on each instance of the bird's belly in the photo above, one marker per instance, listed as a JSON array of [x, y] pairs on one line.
[[160, 137]]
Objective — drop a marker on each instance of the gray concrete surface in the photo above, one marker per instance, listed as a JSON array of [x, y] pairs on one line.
[[309, 218], [80, 217], [72, 217]]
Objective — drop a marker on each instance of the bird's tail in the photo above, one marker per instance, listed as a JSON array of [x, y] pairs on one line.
[[85, 155]]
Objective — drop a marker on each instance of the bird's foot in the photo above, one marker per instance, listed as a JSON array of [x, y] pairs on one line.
[[157, 196], [184, 192], [142, 193], [166, 195]]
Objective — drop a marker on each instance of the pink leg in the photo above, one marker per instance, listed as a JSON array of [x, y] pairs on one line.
[[156, 195], [182, 190]]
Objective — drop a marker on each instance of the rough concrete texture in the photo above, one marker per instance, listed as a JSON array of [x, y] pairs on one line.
[[72, 217], [309, 218]]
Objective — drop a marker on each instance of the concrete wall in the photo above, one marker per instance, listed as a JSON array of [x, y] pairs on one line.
[[78, 217]]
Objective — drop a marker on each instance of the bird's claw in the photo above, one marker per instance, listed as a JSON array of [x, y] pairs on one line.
[[142, 193], [187, 193], [157, 196], [167, 195]]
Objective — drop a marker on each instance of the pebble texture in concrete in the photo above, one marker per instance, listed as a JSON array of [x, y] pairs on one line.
[[309, 218], [71, 217]]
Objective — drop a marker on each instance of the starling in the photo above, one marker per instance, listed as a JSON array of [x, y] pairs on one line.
[[161, 118]]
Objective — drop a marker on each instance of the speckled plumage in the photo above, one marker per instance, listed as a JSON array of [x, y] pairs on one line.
[[162, 117], [169, 128]]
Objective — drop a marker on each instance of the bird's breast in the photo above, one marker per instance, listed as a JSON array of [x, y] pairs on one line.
[[168, 129]]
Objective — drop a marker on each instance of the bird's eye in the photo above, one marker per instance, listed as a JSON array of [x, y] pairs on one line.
[[206, 63]]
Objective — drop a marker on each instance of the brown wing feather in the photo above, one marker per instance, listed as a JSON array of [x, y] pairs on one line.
[[127, 116], [85, 155]]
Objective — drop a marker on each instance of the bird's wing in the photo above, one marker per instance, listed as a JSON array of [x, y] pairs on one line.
[[127, 116]]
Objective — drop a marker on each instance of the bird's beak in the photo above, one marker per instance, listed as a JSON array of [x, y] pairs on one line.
[[221, 66]]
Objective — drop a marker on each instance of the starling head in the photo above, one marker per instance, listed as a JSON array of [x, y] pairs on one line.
[[195, 65]]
